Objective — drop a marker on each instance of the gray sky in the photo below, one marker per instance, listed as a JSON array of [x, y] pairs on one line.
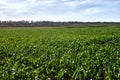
[[60, 10]]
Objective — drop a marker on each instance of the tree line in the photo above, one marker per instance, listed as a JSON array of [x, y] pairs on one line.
[[55, 24]]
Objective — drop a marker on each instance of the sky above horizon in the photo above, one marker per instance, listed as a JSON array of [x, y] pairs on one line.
[[60, 10]]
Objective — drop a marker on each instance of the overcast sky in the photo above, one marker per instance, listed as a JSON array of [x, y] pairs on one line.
[[60, 10]]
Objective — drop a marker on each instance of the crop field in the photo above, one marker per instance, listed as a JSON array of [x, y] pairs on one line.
[[60, 53]]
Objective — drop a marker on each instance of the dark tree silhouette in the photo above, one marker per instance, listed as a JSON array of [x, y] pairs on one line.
[[56, 24]]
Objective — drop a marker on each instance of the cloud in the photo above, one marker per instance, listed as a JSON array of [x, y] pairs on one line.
[[93, 10], [59, 10]]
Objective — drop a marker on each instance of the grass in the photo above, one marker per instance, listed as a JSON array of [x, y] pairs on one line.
[[60, 53]]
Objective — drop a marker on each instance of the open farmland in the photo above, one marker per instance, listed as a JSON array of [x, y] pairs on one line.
[[60, 53]]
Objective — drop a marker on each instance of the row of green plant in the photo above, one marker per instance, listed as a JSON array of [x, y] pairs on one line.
[[60, 54]]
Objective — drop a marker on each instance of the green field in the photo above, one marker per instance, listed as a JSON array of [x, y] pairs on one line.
[[60, 53]]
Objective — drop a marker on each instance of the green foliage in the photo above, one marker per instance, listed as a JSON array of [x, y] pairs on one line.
[[60, 53]]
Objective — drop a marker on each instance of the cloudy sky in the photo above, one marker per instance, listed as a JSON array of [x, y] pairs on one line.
[[60, 10]]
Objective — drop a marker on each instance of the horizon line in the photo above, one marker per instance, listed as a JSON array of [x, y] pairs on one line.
[[56, 21]]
